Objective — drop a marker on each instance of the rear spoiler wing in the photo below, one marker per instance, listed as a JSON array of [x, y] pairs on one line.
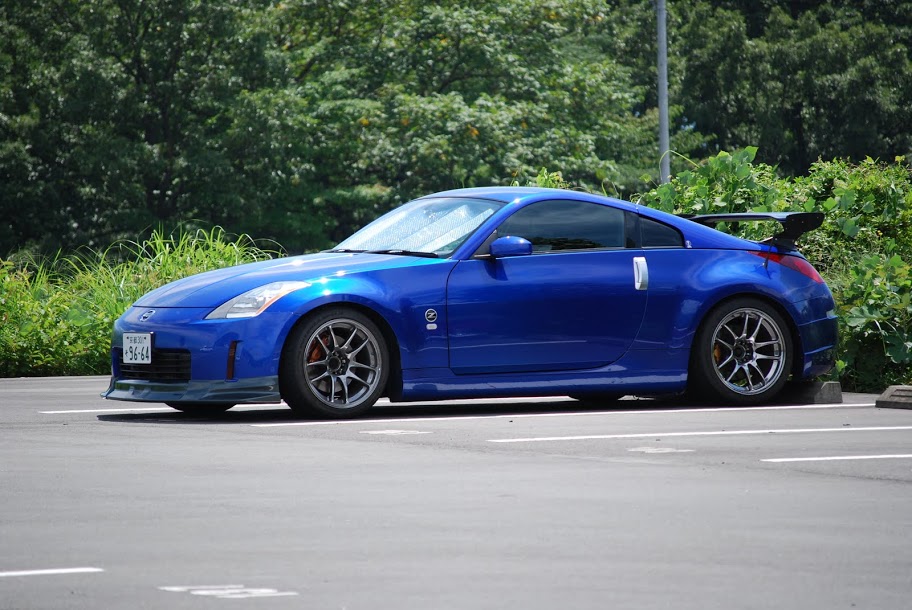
[[794, 224]]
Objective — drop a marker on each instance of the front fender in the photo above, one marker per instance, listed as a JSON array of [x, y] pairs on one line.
[[402, 297]]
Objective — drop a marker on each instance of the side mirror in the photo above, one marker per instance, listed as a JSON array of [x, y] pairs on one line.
[[511, 245]]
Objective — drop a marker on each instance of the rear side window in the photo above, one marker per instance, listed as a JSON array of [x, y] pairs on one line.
[[654, 234], [552, 226]]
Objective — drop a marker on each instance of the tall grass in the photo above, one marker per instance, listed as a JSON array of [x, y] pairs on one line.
[[56, 313]]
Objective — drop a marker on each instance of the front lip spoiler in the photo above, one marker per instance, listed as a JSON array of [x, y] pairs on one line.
[[252, 390]]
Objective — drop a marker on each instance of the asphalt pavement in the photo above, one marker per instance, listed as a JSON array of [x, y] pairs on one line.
[[530, 504]]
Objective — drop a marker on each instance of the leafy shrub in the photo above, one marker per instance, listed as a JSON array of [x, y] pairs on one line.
[[56, 314], [863, 249]]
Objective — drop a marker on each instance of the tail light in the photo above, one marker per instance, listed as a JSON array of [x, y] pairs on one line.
[[795, 263]]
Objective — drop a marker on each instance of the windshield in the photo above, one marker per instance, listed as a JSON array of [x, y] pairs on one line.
[[432, 226]]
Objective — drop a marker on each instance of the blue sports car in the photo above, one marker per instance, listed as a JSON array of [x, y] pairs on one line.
[[490, 292]]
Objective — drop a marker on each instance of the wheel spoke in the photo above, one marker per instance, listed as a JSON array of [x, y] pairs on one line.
[[757, 330], [351, 337], [731, 355], [318, 362], [759, 372], [731, 348], [320, 377], [747, 378], [344, 381], [763, 344], [332, 388], [351, 377], [358, 349], [333, 340], [361, 365]]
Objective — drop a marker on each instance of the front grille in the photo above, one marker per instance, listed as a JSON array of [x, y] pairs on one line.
[[167, 365]]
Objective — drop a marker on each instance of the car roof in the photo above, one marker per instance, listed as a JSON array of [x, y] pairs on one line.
[[528, 194], [699, 236]]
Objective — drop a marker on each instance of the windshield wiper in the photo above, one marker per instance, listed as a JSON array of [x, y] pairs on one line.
[[400, 252], [344, 250]]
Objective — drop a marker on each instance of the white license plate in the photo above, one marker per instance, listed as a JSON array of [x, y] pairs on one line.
[[137, 348]]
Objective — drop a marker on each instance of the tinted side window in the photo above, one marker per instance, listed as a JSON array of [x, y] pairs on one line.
[[657, 235], [567, 225]]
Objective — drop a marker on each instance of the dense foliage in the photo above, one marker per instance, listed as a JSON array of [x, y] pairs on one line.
[[863, 250], [300, 120], [56, 314]]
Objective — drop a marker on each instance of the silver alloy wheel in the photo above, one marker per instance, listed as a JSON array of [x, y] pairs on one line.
[[342, 364], [748, 351]]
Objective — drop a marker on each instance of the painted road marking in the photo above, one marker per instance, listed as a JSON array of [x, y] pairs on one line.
[[229, 591], [705, 433], [660, 450], [51, 572], [841, 457], [395, 432], [432, 418]]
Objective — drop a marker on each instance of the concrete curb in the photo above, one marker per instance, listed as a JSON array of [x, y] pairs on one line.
[[895, 397], [813, 392]]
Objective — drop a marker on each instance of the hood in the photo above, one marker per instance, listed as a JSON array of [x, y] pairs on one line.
[[212, 288]]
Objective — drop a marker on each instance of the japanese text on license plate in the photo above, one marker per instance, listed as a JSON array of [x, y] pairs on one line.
[[137, 348]]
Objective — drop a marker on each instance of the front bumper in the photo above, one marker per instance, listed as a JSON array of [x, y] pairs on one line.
[[199, 360], [260, 389]]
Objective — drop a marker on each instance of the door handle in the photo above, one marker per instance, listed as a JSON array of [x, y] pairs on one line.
[[640, 273]]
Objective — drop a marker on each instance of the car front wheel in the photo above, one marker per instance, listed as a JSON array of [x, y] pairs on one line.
[[334, 364], [742, 353]]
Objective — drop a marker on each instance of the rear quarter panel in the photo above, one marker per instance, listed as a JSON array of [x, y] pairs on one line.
[[685, 284]]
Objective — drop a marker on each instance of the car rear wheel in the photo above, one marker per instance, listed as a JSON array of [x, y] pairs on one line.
[[742, 353], [201, 408], [334, 364]]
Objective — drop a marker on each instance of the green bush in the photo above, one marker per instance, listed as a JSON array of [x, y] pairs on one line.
[[56, 314], [863, 249]]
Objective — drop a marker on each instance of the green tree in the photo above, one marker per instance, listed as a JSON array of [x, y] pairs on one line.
[[120, 106], [799, 80]]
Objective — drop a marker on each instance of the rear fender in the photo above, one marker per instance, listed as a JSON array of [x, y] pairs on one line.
[[685, 285]]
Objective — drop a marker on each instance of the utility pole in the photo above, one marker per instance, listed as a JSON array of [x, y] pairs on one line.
[[665, 161]]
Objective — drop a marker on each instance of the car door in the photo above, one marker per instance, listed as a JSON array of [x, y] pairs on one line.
[[573, 303]]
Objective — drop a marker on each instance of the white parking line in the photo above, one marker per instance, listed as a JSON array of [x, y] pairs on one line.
[[124, 410], [841, 457], [230, 591], [432, 418], [705, 433], [51, 572]]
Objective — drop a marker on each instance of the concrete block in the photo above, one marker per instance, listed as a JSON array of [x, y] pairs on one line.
[[812, 393], [896, 397]]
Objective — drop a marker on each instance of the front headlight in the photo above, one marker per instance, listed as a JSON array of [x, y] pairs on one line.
[[254, 302]]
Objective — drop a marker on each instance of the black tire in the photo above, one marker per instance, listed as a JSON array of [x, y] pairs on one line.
[[742, 354], [201, 408], [334, 364]]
